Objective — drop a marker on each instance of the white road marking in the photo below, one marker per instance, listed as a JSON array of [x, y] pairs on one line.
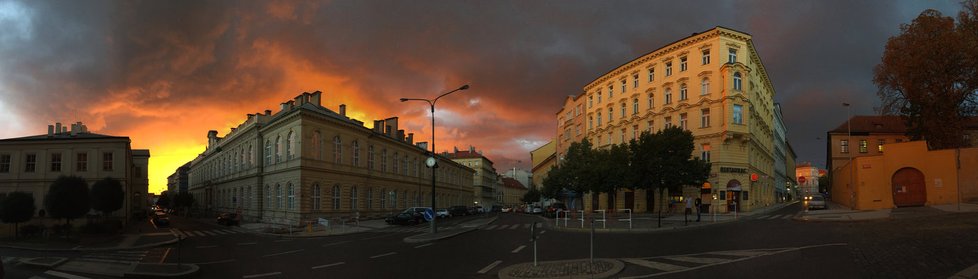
[[261, 275], [64, 275], [229, 231], [491, 227], [383, 255], [247, 243], [526, 226], [335, 243], [209, 233], [424, 245], [283, 253], [207, 246], [769, 252], [539, 225], [216, 262], [541, 232], [655, 265], [199, 233], [328, 265], [489, 267], [218, 232], [8, 260], [698, 260], [517, 250], [517, 226], [283, 240], [747, 253]]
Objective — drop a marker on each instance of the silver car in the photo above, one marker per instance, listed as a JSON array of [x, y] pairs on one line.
[[817, 201]]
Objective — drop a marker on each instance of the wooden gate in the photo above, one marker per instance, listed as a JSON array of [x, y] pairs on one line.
[[630, 200], [909, 188]]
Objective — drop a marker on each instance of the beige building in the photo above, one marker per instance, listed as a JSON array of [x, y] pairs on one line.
[[543, 159], [307, 162], [485, 182], [512, 192], [711, 83], [31, 164]]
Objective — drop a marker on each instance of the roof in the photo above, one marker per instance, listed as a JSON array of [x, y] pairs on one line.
[[63, 136], [466, 154], [513, 183], [873, 124]]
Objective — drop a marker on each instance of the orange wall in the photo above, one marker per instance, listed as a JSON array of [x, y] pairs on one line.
[[969, 174], [874, 173]]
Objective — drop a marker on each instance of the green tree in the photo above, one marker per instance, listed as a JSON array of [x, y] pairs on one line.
[[67, 198], [824, 183], [573, 172], [17, 207], [532, 195], [664, 161], [164, 200], [183, 201], [927, 75], [107, 195]]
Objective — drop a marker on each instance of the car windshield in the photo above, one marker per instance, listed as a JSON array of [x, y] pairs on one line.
[[818, 198]]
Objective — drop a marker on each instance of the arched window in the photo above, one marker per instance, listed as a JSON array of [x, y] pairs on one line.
[[383, 160], [268, 196], [370, 157], [356, 153], [737, 82], [370, 198], [268, 152], [291, 196], [336, 197], [290, 146], [353, 198], [705, 87], [682, 92], [395, 162], [278, 149], [383, 198], [317, 145], [337, 150], [316, 198], [635, 106], [278, 196]]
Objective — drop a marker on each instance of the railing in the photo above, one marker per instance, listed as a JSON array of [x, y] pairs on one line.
[[629, 219], [604, 218]]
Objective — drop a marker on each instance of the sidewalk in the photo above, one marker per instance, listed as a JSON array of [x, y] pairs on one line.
[[649, 222], [138, 235], [451, 231], [839, 213], [114, 268]]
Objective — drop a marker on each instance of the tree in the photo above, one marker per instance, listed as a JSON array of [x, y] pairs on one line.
[[164, 199], [532, 195], [824, 184], [17, 207], [928, 75], [663, 161], [67, 198], [573, 172], [107, 195], [183, 200]]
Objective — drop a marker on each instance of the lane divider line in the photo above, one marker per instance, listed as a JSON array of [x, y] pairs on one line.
[[517, 250], [328, 265], [261, 275], [383, 255], [424, 245], [283, 253], [489, 267]]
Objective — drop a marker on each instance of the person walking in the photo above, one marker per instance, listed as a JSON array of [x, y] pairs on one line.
[[699, 207], [689, 208]]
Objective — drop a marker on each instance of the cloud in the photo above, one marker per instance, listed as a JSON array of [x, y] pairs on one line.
[[165, 72]]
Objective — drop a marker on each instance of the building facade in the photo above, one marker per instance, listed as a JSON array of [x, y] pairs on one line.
[[781, 174], [486, 181], [543, 159], [512, 192], [307, 162], [711, 83], [179, 180], [807, 176], [31, 164]]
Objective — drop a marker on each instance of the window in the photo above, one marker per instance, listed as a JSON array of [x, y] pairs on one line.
[[863, 146], [624, 85], [668, 96], [278, 149], [356, 153], [290, 146], [732, 58], [623, 132], [4, 163], [682, 92], [353, 198], [316, 198], [370, 198], [599, 96], [623, 110], [611, 115], [879, 145], [599, 118], [737, 82], [383, 198], [268, 152], [706, 56], [395, 162], [705, 118], [651, 74], [705, 155], [611, 92], [268, 196], [668, 122], [404, 165], [705, 87], [370, 157], [651, 100], [56, 162], [590, 101], [668, 68], [650, 125], [336, 197], [278, 196], [844, 146], [635, 81], [337, 150], [383, 160], [738, 114], [682, 121], [590, 123], [393, 199], [317, 144], [682, 64], [635, 106], [107, 161]]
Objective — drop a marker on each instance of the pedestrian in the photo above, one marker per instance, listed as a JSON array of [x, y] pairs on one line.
[[699, 206], [689, 208]]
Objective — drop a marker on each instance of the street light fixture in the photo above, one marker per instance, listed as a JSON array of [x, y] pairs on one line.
[[432, 161]]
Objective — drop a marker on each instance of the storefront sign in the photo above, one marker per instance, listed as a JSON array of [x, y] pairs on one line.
[[733, 170]]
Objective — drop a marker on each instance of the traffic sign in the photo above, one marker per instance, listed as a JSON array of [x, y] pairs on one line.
[[801, 180], [429, 214]]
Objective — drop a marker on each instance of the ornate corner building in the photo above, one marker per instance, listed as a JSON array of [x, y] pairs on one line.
[[710, 83]]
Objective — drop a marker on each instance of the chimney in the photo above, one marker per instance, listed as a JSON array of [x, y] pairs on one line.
[[285, 106], [400, 135], [410, 138], [211, 138], [315, 98], [268, 112], [456, 149], [472, 149], [423, 145], [57, 128], [379, 126], [301, 99], [64, 129], [74, 129], [391, 126], [50, 130], [343, 109], [250, 116]]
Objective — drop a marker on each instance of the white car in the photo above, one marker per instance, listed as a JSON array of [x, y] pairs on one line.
[[442, 213], [816, 202], [536, 210]]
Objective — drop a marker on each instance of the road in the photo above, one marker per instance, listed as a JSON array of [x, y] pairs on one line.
[[916, 243]]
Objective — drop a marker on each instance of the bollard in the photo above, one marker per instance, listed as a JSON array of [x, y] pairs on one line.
[[592, 241], [533, 238]]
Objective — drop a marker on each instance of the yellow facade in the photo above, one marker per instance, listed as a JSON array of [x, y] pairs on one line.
[[874, 176], [711, 83]]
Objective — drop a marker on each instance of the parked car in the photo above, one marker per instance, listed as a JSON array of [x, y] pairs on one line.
[[507, 209], [552, 209], [443, 213], [496, 208], [227, 219], [161, 221], [816, 201], [404, 218], [458, 210], [535, 210], [475, 210]]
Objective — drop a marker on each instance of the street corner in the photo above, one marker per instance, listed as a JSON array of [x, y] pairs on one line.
[[443, 234], [578, 269]]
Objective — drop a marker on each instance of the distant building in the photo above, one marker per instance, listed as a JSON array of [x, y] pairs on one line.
[[31, 164], [512, 192], [307, 162], [523, 176], [543, 159], [179, 180], [485, 182], [810, 174]]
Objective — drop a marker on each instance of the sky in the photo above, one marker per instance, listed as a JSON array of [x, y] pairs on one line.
[[166, 72]]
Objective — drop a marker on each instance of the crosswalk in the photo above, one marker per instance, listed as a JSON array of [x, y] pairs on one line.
[[203, 233], [777, 216], [498, 227], [509, 227], [679, 263], [120, 256]]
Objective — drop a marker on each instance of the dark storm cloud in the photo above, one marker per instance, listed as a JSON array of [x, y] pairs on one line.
[[106, 60]]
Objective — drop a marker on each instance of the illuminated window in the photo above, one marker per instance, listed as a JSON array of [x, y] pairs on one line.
[[844, 146], [879, 145], [863, 146]]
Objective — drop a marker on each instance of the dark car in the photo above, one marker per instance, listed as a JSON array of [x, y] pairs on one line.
[[161, 221], [552, 209], [496, 208], [404, 218], [227, 219], [458, 210]]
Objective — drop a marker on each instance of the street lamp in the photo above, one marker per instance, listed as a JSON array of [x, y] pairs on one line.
[[432, 162], [852, 169]]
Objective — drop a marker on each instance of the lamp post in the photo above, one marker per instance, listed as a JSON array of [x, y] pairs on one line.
[[432, 162], [852, 169]]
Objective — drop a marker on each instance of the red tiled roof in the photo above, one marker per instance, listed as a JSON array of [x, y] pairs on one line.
[[512, 183], [873, 124]]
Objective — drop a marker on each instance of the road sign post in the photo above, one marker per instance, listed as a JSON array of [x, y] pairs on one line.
[[533, 238], [429, 214]]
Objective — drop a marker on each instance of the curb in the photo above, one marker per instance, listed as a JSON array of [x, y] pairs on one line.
[[193, 269], [174, 240], [418, 238], [617, 266]]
